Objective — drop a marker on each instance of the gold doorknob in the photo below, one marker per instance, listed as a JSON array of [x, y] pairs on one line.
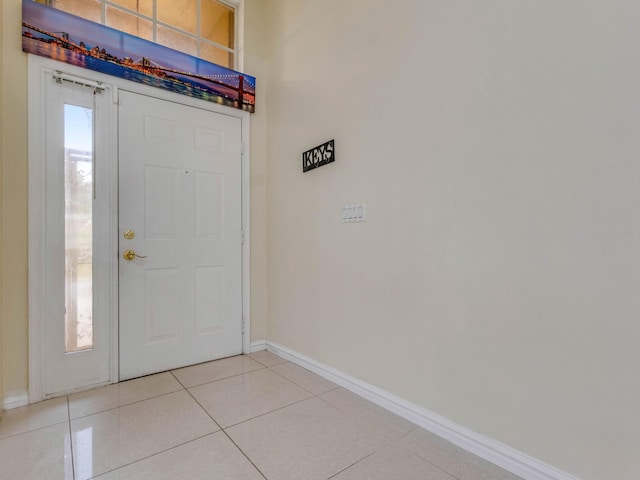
[[129, 255]]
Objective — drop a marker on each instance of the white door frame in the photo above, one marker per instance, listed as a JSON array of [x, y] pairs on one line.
[[36, 71]]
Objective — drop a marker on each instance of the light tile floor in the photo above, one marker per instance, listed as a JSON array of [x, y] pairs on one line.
[[250, 417]]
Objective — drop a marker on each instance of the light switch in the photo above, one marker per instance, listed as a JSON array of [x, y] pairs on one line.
[[354, 212]]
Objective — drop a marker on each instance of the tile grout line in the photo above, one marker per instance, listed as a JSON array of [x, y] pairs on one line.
[[68, 400], [385, 444], [354, 463], [422, 458], [312, 395], [183, 388], [318, 396], [267, 366], [152, 455], [227, 435], [220, 379], [178, 380], [34, 429], [244, 454], [73, 461], [390, 443], [270, 411], [175, 446], [305, 389], [125, 404], [262, 367], [171, 372]]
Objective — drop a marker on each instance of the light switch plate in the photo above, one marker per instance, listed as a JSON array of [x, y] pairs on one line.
[[354, 212]]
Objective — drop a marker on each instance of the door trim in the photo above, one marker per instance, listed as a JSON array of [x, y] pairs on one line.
[[37, 67]]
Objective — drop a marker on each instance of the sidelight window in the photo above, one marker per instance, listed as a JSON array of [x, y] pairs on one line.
[[78, 231]]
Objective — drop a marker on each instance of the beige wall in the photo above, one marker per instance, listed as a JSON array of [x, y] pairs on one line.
[[495, 145], [14, 319], [14, 204], [255, 55]]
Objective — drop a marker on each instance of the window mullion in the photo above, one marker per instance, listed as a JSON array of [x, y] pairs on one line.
[[203, 46], [217, 45], [198, 26], [155, 21], [127, 10]]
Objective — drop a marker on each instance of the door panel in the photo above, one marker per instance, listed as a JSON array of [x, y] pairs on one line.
[[180, 193]]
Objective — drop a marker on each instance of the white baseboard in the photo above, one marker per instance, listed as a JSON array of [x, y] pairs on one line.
[[510, 459], [257, 346], [15, 401]]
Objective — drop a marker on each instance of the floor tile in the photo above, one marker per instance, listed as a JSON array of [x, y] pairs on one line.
[[216, 370], [267, 358], [120, 394], [371, 416], [236, 399], [284, 423], [393, 462], [40, 454], [117, 437], [210, 457], [304, 378], [310, 440], [31, 417], [452, 459]]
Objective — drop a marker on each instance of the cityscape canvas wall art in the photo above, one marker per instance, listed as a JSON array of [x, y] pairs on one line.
[[67, 38]]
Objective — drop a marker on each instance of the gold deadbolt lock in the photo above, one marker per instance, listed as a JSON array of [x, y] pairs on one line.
[[129, 234]]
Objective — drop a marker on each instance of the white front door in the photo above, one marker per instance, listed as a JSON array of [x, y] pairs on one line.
[[180, 296]]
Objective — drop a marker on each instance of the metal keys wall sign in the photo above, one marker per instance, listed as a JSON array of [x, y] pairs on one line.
[[319, 156]]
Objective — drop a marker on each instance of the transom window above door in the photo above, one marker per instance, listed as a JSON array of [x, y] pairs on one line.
[[202, 28]]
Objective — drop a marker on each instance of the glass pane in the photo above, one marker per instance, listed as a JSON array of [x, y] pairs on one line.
[[78, 231], [89, 9], [176, 40], [216, 55], [145, 7], [217, 22], [129, 23], [178, 13]]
